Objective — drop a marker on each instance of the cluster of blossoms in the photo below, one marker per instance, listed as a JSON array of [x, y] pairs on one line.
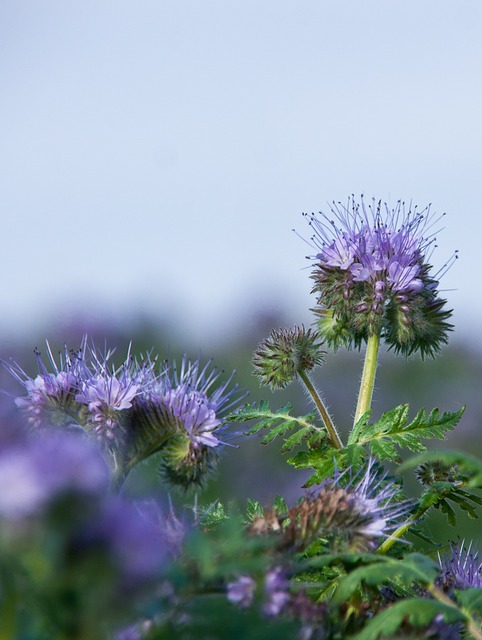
[[372, 277], [134, 410], [347, 514]]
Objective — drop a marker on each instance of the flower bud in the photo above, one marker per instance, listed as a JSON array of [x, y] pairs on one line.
[[284, 353]]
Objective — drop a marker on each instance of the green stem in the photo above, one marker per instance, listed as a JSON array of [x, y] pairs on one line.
[[325, 416], [368, 377], [402, 529]]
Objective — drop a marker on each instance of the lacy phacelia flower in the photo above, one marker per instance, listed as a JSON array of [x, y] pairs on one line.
[[280, 357], [460, 569], [50, 398], [183, 413], [347, 515], [108, 392], [372, 277]]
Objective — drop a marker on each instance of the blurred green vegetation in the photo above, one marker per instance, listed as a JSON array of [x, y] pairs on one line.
[[249, 469]]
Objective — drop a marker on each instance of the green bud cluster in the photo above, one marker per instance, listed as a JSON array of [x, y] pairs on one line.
[[284, 353]]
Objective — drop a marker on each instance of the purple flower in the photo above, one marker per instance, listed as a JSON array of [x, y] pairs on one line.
[[461, 568], [276, 586], [350, 512], [241, 591], [136, 544], [181, 415], [373, 498], [108, 391], [35, 471], [191, 402], [50, 395], [372, 276]]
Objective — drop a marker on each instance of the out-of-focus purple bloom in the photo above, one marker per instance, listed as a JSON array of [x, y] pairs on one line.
[[461, 568], [136, 544], [34, 471], [276, 587], [134, 632], [241, 591]]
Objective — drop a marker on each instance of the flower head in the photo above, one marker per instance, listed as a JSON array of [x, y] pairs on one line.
[[461, 568], [50, 395], [186, 408], [108, 392], [348, 512], [372, 276]]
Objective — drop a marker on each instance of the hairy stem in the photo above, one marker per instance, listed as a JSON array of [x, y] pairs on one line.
[[325, 416], [368, 377]]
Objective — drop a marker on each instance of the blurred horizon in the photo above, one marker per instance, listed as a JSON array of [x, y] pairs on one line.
[[155, 157]]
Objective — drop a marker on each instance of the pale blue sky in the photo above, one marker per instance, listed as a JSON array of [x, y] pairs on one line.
[[155, 155]]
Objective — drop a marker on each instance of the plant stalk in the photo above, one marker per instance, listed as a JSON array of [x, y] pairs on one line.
[[368, 376], [325, 416]]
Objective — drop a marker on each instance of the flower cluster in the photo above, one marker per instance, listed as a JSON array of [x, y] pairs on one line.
[[372, 277], [134, 410], [349, 514]]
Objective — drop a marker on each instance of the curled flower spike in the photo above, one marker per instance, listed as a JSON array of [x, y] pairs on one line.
[[349, 515], [285, 353], [183, 412], [372, 277]]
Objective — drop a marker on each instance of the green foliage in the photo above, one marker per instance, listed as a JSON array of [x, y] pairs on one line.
[[419, 612], [468, 466], [392, 430], [471, 600], [279, 423], [414, 567]]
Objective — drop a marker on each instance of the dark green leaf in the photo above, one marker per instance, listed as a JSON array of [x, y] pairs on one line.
[[418, 612]]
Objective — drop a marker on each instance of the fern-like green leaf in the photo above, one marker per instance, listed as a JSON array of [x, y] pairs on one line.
[[326, 460], [391, 431], [279, 423]]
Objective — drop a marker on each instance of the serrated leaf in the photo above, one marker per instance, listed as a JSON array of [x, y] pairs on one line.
[[280, 506], [326, 461], [254, 510], [415, 567], [391, 431], [278, 423], [211, 515], [419, 612]]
